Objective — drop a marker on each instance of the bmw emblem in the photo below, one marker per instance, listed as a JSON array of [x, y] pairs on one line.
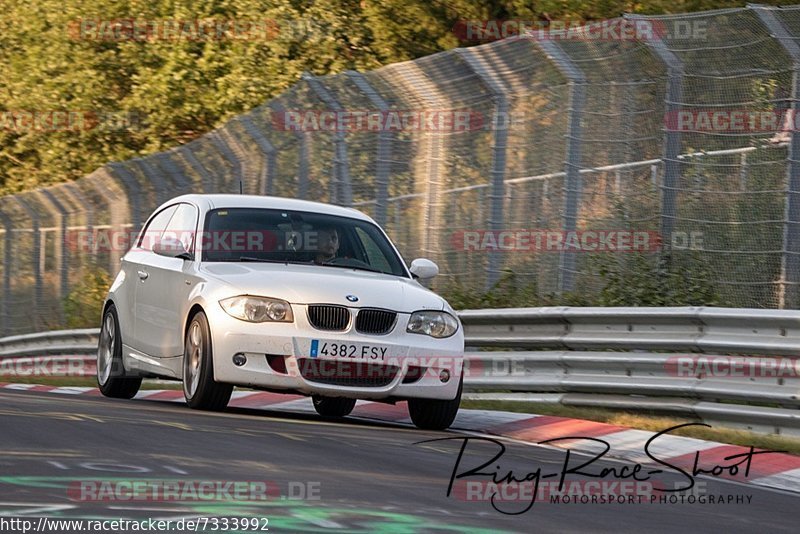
[[352, 298]]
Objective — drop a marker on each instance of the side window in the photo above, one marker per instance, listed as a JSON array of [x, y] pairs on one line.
[[155, 228], [183, 225], [375, 257]]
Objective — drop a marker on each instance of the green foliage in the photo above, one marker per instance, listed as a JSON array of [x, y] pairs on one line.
[[637, 280], [629, 280], [84, 304], [510, 291], [176, 90]]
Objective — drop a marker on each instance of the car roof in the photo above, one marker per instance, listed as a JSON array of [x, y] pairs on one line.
[[214, 201]]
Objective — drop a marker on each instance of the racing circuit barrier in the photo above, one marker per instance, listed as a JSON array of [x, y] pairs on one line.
[[728, 366]]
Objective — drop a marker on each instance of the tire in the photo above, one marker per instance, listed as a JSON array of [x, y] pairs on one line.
[[435, 414], [111, 379], [199, 388], [333, 406]]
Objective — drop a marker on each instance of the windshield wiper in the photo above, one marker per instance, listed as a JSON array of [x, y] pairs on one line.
[[356, 267]]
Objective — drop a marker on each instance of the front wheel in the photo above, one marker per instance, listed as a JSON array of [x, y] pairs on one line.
[[199, 388], [435, 414], [111, 377], [333, 406]]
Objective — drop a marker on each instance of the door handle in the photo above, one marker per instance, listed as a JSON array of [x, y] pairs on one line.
[[143, 275]]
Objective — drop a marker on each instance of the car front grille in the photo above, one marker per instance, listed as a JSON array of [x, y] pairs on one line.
[[329, 317], [370, 321], [349, 374]]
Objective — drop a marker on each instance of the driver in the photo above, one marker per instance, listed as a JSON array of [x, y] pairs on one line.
[[327, 244]]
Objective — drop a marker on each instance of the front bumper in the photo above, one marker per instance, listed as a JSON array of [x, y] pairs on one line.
[[420, 361]]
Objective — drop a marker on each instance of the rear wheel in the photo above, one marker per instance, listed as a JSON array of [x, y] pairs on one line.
[[435, 414], [199, 388], [111, 377], [333, 406]]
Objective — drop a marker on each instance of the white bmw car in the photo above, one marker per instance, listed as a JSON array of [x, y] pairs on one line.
[[281, 295]]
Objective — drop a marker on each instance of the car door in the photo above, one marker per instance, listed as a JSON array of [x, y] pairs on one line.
[[134, 265], [163, 291]]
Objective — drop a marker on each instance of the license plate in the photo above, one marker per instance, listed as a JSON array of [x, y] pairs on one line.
[[353, 351]]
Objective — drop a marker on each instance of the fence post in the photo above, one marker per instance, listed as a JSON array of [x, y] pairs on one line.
[[267, 148], [75, 192], [187, 154], [572, 165], [8, 253], [478, 64], [672, 137], [131, 187], [432, 151], [61, 248], [36, 232], [790, 256], [383, 159], [302, 157], [342, 190], [164, 161], [155, 179], [237, 162]]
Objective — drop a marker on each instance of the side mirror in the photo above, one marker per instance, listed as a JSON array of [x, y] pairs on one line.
[[171, 247], [423, 268]]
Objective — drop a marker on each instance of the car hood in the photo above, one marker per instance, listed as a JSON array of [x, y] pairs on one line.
[[313, 284]]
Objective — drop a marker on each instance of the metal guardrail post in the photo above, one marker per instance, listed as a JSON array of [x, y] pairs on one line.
[[672, 138], [302, 156], [479, 66], [267, 181], [342, 190], [790, 257], [572, 165], [383, 159], [61, 250]]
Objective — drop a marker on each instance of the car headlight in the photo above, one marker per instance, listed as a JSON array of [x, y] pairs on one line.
[[436, 324], [258, 309]]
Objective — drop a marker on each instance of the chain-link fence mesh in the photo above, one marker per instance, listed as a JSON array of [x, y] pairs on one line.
[[552, 139]]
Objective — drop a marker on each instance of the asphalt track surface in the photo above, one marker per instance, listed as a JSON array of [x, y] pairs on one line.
[[368, 476]]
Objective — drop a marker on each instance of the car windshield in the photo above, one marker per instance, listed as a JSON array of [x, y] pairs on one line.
[[270, 235]]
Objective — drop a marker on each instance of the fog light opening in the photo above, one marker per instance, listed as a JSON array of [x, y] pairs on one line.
[[444, 376], [239, 359]]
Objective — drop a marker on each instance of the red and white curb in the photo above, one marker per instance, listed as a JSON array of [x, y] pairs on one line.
[[779, 471]]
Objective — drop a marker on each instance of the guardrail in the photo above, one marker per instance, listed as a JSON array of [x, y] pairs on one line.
[[706, 366], [694, 361], [81, 342]]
